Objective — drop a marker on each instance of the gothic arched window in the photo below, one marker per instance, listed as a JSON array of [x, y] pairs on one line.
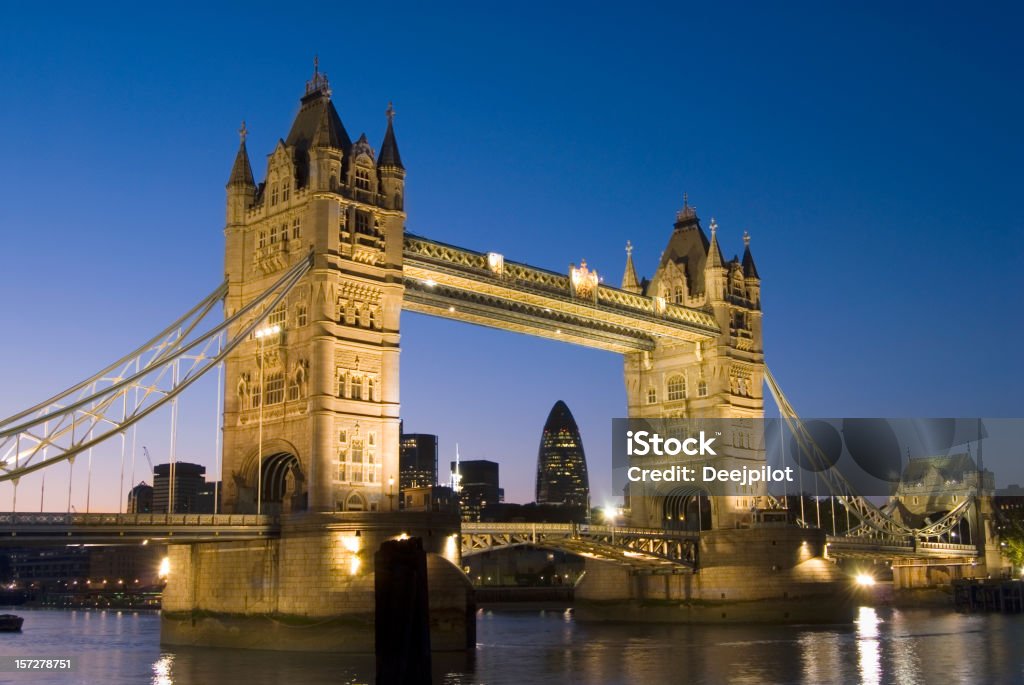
[[676, 388]]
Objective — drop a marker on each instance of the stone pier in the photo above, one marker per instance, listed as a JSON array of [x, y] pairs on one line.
[[312, 589], [769, 574]]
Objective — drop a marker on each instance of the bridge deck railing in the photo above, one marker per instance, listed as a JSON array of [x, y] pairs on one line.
[[51, 519], [569, 528]]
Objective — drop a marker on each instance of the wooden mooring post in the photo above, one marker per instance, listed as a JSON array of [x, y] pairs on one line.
[[1006, 596]]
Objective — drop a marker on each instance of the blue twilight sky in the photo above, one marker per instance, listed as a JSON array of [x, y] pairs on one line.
[[874, 154]]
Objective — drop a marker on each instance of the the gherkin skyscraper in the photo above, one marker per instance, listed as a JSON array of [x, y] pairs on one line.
[[561, 463]]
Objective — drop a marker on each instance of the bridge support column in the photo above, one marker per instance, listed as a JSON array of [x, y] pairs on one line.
[[313, 588], [766, 574], [918, 574]]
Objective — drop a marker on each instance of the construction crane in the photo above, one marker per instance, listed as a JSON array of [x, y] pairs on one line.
[[149, 461]]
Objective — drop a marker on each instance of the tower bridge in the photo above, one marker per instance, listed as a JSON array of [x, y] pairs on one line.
[[318, 269]]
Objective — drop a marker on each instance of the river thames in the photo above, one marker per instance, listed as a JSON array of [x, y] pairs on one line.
[[549, 646]]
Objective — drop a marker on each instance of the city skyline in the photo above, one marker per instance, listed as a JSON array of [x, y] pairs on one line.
[[858, 245]]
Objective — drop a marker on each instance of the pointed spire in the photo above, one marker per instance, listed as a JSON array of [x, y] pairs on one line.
[[629, 280], [714, 253], [241, 170], [389, 156], [326, 134], [749, 268]]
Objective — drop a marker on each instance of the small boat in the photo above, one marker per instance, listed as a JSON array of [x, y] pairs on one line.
[[9, 623]]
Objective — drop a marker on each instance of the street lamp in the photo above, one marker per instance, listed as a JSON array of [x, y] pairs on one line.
[[610, 513], [260, 335]]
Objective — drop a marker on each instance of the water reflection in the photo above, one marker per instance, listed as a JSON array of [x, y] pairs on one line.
[[819, 656], [162, 670], [883, 646], [869, 659]]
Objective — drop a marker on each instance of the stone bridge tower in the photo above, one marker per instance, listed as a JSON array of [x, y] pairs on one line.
[[314, 402], [718, 378]]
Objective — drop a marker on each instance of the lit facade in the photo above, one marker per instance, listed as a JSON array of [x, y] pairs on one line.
[[720, 376], [324, 387]]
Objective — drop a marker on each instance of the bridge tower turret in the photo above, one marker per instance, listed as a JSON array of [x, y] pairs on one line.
[[392, 173], [718, 377], [241, 189], [311, 406]]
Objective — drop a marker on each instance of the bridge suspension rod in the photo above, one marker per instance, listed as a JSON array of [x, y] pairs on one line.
[[872, 518], [59, 432], [162, 343]]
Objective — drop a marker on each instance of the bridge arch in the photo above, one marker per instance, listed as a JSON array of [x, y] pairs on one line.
[[283, 481], [686, 507]]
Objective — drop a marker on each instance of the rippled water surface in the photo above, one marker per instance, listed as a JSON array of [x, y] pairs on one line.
[[884, 646]]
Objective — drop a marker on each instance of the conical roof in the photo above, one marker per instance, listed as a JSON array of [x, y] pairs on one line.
[[389, 155], [241, 170]]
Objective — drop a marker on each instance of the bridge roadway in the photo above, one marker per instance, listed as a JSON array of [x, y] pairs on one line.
[[107, 529], [890, 548], [474, 287], [642, 550], [645, 550], [667, 551]]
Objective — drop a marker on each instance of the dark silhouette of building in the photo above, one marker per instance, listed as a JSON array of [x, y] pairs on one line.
[[477, 486], [506, 512], [417, 462], [208, 498], [140, 499], [561, 463], [189, 480]]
